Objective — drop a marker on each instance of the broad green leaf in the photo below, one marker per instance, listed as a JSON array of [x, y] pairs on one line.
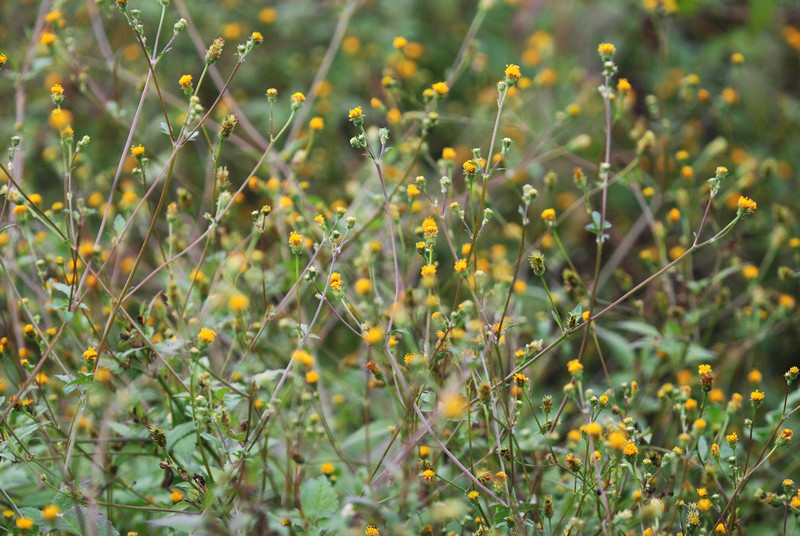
[[318, 499]]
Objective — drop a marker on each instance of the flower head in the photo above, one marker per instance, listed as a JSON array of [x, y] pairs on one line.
[[549, 215], [90, 354], [512, 73], [50, 512], [206, 335], [606, 50], [440, 89], [137, 151], [746, 205]]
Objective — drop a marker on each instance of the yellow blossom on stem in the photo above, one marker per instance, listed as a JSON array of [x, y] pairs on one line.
[[746, 205], [137, 151], [549, 215], [206, 335], [512, 72], [440, 89]]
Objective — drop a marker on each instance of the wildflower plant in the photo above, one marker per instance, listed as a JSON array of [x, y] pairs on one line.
[[271, 273]]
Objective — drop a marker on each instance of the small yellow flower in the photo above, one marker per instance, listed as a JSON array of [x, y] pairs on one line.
[[623, 86], [137, 151], [327, 468], [754, 376], [448, 153], [428, 475], [316, 123], [704, 369], [298, 98], [24, 523], [756, 396], [460, 265], [750, 271], [312, 377], [185, 81], [424, 451], [356, 113], [50, 512], [574, 367], [90, 354], [238, 303], [57, 90], [549, 215], [372, 530], [737, 58], [256, 37], [295, 239], [374, 335], [440, 88], [747, 205], [176, 496], [473, 495], [606, 49], [453, 405], [362, 286], [428, 270], [206, 335], [512, 72], [594, 429], [630, 449], [399, 43]]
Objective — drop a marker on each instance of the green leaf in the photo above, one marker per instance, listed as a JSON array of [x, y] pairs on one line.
[[84, 378], [119, 224], [182, 440], [318, 499]]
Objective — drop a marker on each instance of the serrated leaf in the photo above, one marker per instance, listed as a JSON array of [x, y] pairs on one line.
[[318, 499], [61, 287]]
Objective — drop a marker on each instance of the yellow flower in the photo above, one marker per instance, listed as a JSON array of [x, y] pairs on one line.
[[429, 227], [623, 86], [57, 90], [312, 377], [440, 88], [747, 205], [206, 335], [453, 405], [238, 303], [298, 98], [704, 369], [399, 43], [374, 335], [327, 468], [674, 215], [448, 153], [137, 151], [24, 523], [754, 376], [372, 530], [90, 354], [47, 38], [574, 367], [473, 495], [186, 81], [176, 496], [356, 113], [295, 239], [549, 215], [606, 49], [362, 286], [428, 475], [737, 58], [460, 265], [428, 270], [50, 512], [594, 429], [756, 396], [512, 72], [630, 449], [424, 451], [316, 123], [750, 271]]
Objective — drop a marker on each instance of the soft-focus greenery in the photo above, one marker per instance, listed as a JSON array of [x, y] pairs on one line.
[[577, 315]]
